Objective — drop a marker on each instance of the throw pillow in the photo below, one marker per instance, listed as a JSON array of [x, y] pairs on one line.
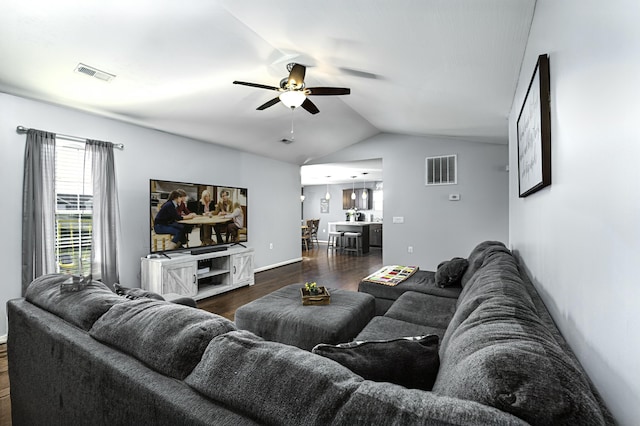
[[450, 273], [135, 293], [412, 362]]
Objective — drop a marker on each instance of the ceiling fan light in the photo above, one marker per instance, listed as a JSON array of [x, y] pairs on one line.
[[292, 98]]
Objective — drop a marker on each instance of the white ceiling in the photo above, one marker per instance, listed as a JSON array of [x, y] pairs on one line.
[[420, 67], [337, 173]]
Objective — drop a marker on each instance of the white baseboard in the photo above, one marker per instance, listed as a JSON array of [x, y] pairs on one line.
[[275, 265], [3, 339]]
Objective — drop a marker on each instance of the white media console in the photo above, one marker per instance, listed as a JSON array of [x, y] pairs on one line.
[[199, 275]]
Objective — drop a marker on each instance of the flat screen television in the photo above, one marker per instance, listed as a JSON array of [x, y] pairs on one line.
[[196, 217]]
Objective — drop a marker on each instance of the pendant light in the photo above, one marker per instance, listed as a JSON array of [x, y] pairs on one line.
[[364, 189], [353, 189], [327, 196]]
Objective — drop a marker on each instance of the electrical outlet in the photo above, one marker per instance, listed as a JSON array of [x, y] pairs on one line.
[[270, 246], [410, 249]]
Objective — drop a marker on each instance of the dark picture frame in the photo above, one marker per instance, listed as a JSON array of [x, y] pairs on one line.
[[534, 132]]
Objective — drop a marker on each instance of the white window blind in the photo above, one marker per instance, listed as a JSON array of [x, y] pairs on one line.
[[442, 170], [74, 208]]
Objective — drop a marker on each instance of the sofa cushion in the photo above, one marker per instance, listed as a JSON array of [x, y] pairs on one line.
[[420, 281], [408, 361], [423, 309], [449, 273], [277, 384], [272, 382], [169, 338], [498, 352], [475, 259], [385, 328], [80, 308], [498, 277]]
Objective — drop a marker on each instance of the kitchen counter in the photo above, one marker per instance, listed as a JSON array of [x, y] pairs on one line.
[[363, 227], [346, 222]]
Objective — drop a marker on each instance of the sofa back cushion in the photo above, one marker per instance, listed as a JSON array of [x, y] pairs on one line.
[[498, 276], [278, 384], [497, 351], [169, 338], [80, 308], [475, 259], [272, 382]]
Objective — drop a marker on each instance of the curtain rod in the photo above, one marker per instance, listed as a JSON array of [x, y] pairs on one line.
[[22, 129]]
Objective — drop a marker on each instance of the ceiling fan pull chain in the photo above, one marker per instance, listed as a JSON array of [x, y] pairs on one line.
[[292, 109]]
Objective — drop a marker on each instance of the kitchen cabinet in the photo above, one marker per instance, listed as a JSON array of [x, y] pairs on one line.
[[359, 203], [375, 235]]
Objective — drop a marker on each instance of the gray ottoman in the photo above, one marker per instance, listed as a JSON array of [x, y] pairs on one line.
[[281, 317]]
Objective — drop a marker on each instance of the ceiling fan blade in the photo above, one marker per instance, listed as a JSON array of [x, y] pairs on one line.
[[310, 106], [296, 75], [259, 86], [327, 91], [268, 104]]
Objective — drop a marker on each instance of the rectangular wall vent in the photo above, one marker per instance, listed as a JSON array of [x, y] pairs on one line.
[[94, 72], [442, 170]]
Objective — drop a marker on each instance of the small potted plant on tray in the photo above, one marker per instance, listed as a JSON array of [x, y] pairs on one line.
[[314, 295]]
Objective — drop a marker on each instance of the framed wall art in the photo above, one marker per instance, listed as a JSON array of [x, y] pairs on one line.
[[324, 205], [534, 132]]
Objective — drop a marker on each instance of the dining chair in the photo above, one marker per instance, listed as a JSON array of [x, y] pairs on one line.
[[314, 231], [306, 236]]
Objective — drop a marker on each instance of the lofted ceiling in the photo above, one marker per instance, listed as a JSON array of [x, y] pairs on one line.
[[419, 67]]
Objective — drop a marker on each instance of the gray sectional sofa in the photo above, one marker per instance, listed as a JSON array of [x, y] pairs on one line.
[[94, 358]]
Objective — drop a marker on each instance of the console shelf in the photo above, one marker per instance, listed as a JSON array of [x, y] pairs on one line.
[[198, 276]]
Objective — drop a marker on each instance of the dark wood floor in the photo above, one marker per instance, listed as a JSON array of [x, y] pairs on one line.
[[330, 270]]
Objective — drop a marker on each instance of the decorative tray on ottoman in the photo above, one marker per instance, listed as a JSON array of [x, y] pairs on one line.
[[321, 298]]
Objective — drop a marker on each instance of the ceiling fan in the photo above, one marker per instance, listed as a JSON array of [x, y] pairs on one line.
[[293, 92]]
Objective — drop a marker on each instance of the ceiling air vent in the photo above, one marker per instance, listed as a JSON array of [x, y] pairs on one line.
[[94, 72]]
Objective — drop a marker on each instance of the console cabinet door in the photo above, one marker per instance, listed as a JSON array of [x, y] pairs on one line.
[[180, 278], [242, 269]]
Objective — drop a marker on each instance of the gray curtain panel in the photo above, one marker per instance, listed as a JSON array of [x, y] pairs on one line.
[[104, 265], [38, 206]]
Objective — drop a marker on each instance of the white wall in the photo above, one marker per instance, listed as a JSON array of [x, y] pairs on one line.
[[580, 237], [273, 186], [436, 228]]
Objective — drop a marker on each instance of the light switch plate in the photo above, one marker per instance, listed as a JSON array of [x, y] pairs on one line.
[[398, 219]]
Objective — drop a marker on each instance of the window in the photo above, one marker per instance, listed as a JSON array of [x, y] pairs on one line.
[[74, 208], [442, 170]]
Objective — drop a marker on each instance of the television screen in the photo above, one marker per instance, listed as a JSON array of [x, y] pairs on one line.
[[189, 215]]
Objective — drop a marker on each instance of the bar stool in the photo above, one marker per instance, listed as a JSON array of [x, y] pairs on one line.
[[352, 242], [335, 241]]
